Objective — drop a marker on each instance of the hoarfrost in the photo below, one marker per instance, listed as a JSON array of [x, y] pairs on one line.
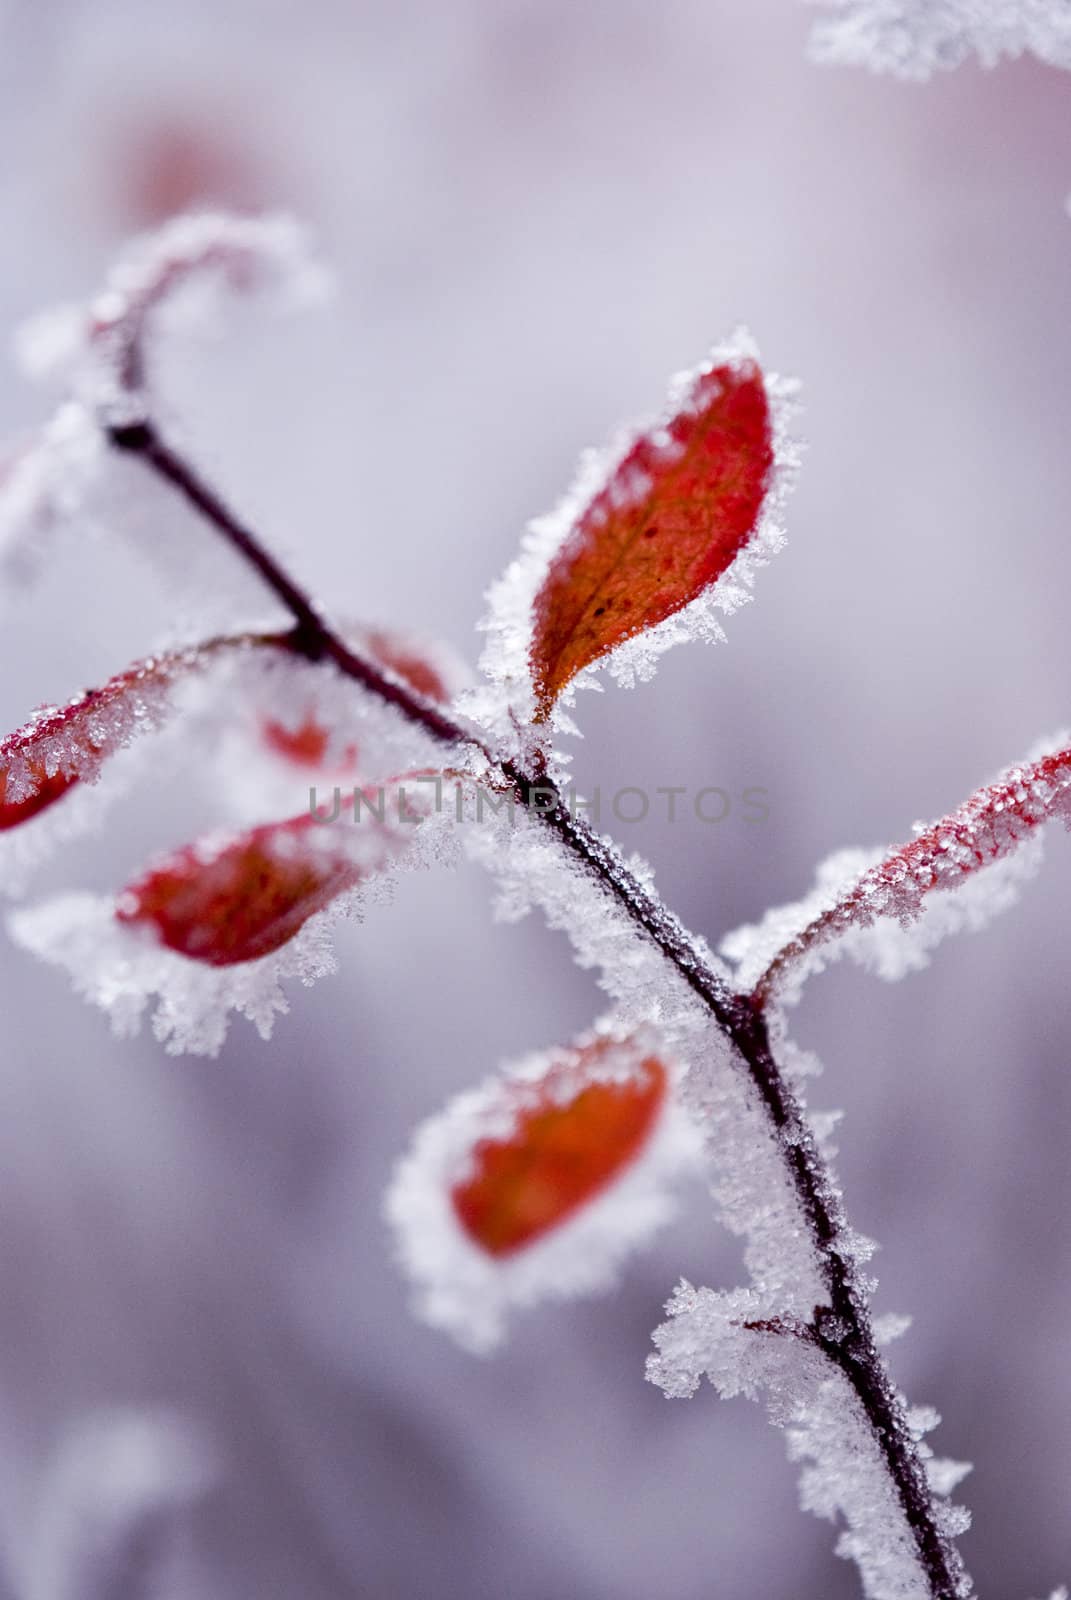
[[122, 970], [506, 699], [844, 1472], [914, 38], [740, 1342], [469, 1292]]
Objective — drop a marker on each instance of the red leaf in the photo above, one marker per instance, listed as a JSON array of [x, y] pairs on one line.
[[986, 828], [242, 903], [63, 745], [674, 513], [571, 1137], [243, 899]]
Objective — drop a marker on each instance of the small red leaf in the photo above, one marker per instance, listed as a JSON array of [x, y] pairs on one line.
[[63, 745], [571, 1137], [988, 827], [674, 513], [249, 895]]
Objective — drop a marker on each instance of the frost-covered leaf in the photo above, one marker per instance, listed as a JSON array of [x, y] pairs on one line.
[[657, 536], [216, 927], [914, 38], [307, 745], [888, 909], [572, 1133], [536, 1184], [64, 745], [238, 898], [678, 504], [62, 752]]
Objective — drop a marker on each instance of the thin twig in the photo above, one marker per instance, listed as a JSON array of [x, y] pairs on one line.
[[842, 1330]]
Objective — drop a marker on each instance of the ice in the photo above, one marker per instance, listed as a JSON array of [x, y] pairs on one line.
[[467, 1291], [914, 38], [506, 700]]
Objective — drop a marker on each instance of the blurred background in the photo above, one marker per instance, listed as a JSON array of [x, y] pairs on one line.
[[536, 212]]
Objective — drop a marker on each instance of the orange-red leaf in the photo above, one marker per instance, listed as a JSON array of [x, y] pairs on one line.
[[988, 827], [674, 513], [571, 1137], [63, 745], [245, 899]]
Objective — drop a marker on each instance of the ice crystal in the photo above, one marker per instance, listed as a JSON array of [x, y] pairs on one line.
[[914, 38]]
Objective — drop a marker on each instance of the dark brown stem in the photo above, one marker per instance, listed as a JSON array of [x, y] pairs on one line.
[[842, 1329]]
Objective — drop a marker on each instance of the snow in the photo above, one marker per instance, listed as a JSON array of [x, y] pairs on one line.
[[915, 38]]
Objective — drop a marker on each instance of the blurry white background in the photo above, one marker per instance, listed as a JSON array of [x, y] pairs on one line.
[[536, 212]]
